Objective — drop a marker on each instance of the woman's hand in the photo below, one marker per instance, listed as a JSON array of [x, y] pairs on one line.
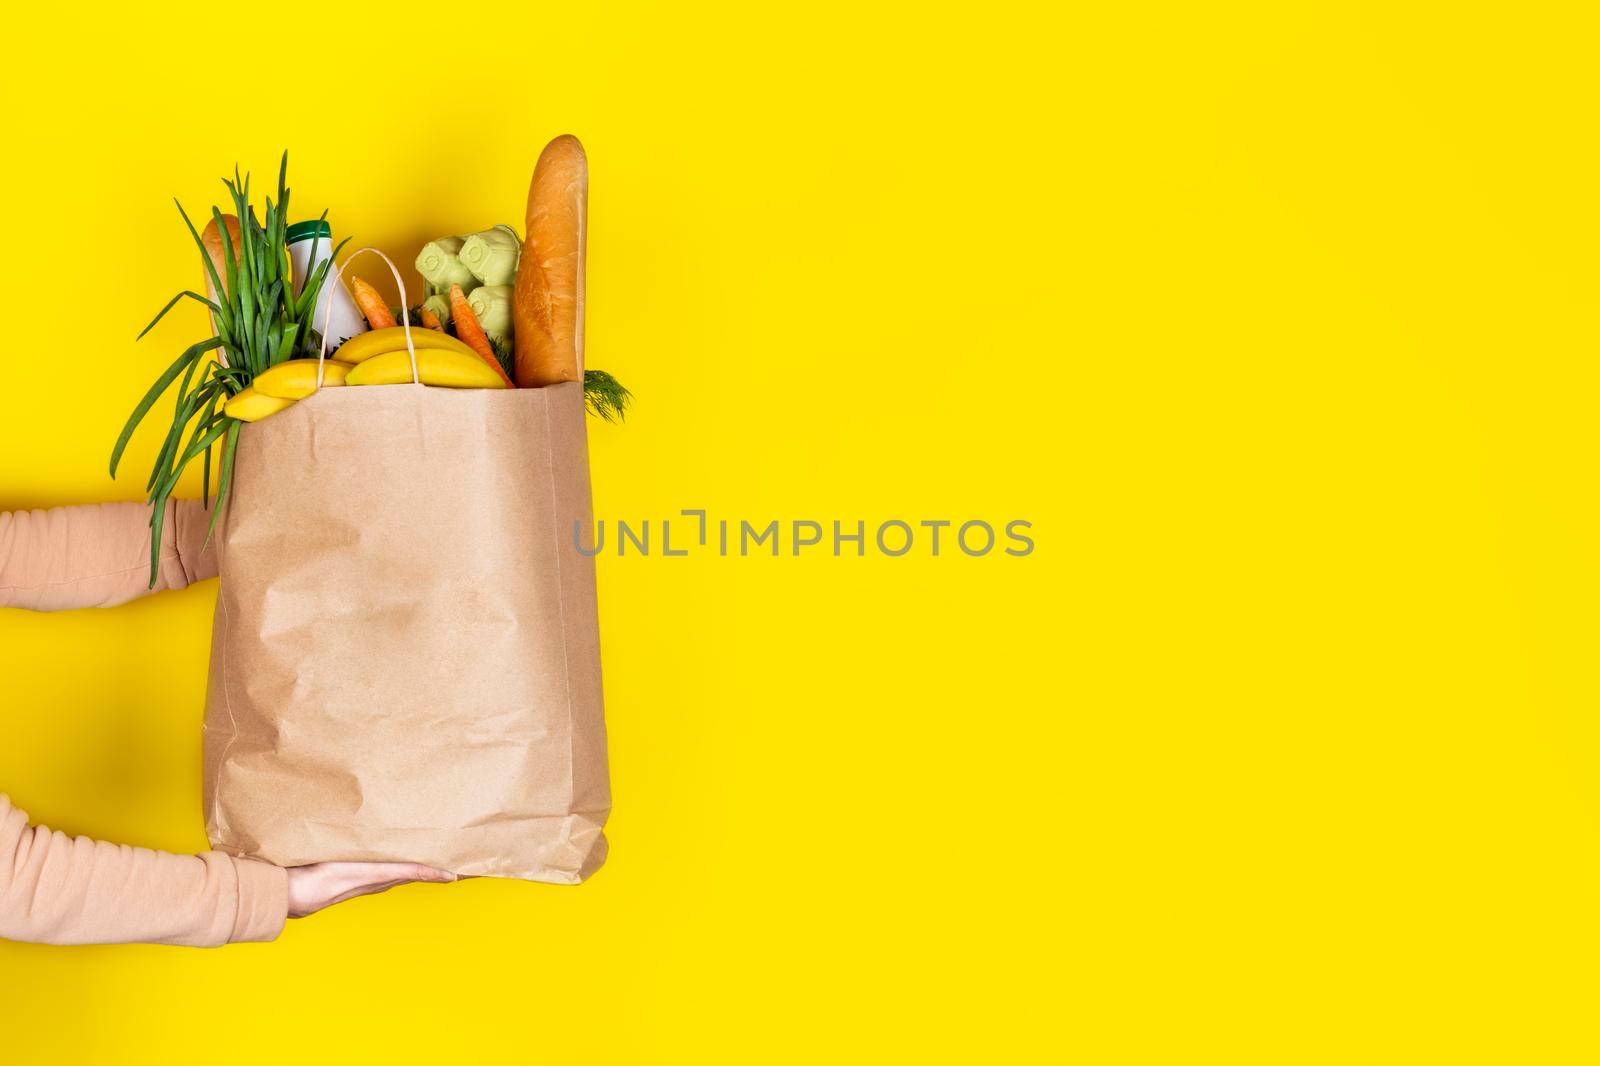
[[311, 888]]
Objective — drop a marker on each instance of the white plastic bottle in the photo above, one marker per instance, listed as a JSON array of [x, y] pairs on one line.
[[347, 319]]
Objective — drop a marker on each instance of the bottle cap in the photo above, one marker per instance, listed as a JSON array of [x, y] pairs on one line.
[[305, 231]]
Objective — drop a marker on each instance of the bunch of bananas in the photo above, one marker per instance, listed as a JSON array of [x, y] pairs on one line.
[[377, 357]]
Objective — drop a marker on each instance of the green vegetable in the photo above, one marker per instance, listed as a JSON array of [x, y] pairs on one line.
[[605, 396], [492, 256], [260, 322], [441, 268], [503, 354], [492, 305]]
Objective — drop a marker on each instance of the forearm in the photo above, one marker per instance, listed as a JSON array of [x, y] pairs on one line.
[[98, 555], [56, 889]]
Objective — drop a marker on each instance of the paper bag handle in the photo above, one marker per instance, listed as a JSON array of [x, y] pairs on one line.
[[405, 314]]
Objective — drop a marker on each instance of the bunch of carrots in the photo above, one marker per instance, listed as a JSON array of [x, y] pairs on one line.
[[465, 321]]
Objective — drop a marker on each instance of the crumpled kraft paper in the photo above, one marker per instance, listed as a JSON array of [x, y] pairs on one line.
[[405, 663]]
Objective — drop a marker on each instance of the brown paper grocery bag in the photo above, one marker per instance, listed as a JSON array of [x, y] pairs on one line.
[[405, 663]]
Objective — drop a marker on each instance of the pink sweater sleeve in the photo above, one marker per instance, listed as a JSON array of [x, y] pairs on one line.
[[56, 889], [98, 555], [61, 890]]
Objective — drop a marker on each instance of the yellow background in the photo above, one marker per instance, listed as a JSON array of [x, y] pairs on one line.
[[1277, 322]]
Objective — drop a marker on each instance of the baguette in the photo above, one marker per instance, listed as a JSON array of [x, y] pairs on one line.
[[212, 239], [547, 305]]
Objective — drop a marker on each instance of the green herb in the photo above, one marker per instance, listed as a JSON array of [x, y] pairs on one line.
[[504, 355], [605, 396], [260, 320]]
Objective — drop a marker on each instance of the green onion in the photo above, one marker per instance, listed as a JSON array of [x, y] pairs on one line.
[[260, 322]]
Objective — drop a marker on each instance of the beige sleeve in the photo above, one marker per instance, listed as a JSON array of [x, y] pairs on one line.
[[56, 889], [98, 555]]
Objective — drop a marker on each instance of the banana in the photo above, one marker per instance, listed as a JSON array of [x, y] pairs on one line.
[[364, 346], [436, 366], [251, 406], [297, 378]]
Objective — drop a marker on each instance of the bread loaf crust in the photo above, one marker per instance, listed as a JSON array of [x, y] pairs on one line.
[[212, 239], [547, 304]]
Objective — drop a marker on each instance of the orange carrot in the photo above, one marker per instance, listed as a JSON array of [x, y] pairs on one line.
[[371, 304], [471, 334], [430, 319]]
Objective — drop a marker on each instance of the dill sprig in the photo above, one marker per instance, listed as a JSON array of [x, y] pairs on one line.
[[503, 354], [604, 396]]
